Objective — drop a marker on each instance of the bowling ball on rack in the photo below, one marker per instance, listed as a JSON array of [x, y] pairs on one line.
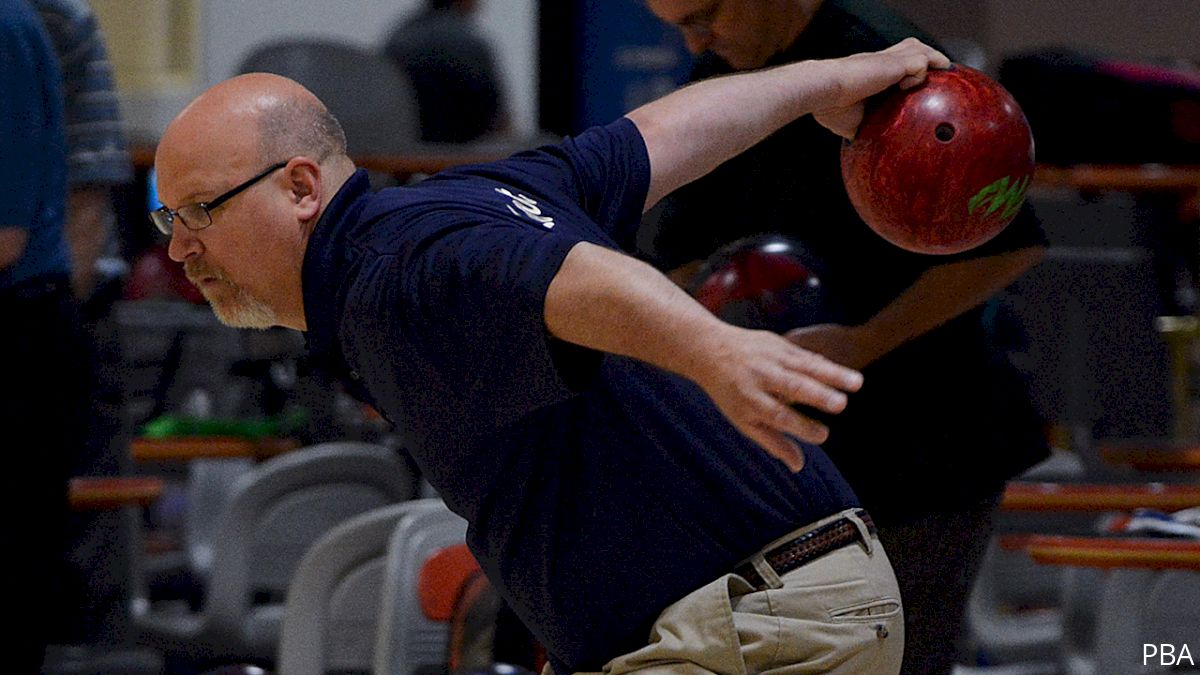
[[943, 167], [768, 281]]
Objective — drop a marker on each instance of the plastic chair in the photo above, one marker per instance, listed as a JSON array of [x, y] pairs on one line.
[[409, 642], [184, 572], [369, 96], [1015, 611], [1081, 602], [1173, 610], [1141, 607], [275, 513], [331, 617], [454, 589], [209, 489]]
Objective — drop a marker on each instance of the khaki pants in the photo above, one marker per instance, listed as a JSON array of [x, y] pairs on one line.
[[837, 614]]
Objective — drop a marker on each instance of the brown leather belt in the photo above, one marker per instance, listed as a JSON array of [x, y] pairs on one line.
[[807, 547]]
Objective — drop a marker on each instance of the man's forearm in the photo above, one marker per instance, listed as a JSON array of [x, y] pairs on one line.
[[943, 293], [88, 217], [614, 303], [12, 244], [692, 131], [611, 302]]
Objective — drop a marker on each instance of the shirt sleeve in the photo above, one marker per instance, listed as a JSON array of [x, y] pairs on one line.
[[605, 170], [97, 152], [28, 85], [470, 304]]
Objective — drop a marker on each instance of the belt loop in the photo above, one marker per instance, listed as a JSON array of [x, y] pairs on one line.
[[764, 569], [864, 534]]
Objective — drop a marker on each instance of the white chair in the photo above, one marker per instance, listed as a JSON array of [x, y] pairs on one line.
[[209, 486], [275, 512], [1014, 610], [408, 642], [1081, 602], [1142, 607], [331, 617]]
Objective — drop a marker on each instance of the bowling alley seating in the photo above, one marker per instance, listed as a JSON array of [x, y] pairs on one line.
[[1014, 612], [275, 512], [409, 640], [1170, 615], [207, 490], [331, 617], [1140, 591], [1117, 592], [1015, 609], [369, 96]]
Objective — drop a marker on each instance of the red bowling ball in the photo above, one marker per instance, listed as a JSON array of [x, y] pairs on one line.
[[768, 282], [155, 276], [942, 167]]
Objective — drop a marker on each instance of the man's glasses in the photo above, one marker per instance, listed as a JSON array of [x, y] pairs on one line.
[[196, 217]]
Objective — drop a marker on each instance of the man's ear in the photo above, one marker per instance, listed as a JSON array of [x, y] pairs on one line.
[[304, 185]]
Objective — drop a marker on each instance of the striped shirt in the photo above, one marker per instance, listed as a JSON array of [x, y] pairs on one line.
[[97, 154]]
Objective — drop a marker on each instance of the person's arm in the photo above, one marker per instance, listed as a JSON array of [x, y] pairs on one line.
[[89, 212], [611, 302], [12, 244], [938, 295], [691, 131]]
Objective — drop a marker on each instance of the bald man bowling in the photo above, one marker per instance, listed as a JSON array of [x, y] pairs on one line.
[[638, 485]]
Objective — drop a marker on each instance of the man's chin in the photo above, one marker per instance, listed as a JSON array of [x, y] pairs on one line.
[[243, 314], [237, 320]]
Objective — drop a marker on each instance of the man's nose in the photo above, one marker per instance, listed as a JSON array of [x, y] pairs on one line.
[[184, 244]]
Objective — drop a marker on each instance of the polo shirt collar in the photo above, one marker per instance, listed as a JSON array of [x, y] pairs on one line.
[[325, 259]]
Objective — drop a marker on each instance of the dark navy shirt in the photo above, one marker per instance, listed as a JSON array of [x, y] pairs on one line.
[[599, 489]]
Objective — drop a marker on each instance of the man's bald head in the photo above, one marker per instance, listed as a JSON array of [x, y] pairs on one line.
[[273, 115], [246, 254]]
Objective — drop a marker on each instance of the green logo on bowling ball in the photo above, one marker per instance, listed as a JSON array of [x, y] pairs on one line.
[[1006, 194]]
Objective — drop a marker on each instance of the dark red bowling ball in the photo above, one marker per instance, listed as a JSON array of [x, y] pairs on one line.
[[942, 167], [768, 281], [155, 276]]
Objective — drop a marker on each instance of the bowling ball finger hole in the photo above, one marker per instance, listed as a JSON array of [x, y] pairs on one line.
[[945, 132]]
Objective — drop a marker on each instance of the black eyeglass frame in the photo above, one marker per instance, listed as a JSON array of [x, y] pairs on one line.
[[164, 217]]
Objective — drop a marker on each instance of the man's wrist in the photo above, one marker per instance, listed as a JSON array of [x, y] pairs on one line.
[[876, 339], [697, 358]]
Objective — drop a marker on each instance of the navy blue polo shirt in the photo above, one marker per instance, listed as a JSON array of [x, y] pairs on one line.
[[599, 489]]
